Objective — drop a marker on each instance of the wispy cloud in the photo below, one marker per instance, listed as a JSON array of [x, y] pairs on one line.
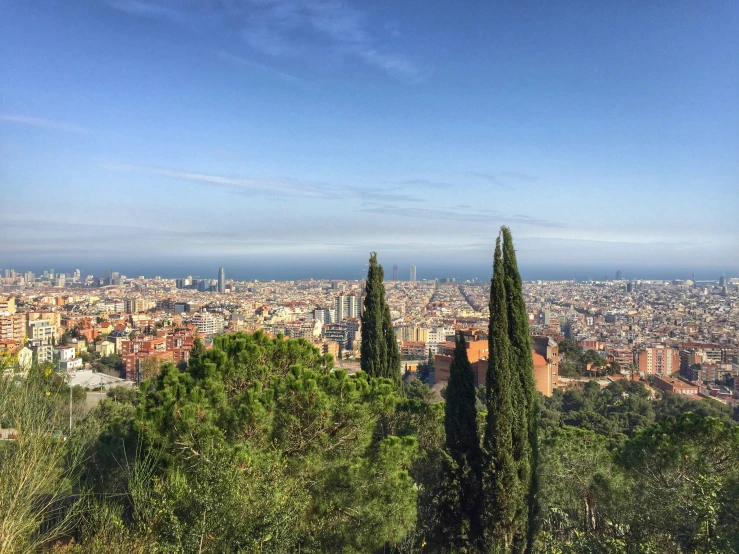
[[489, 177], [268, 186], [280, 27], [44, 123], [293, 29], [505, 179], [238, 61], [459, 216], [146, 9], [425, 183]]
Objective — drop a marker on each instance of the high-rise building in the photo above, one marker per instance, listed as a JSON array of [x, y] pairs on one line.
[[413, 273], [722, 281], [348, 306], [221, 280], [658, 360], [395, 272], [618, 275], [324, 315]]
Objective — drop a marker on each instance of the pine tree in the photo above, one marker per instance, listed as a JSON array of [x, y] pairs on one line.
[[380, 352], [522, 365], [501, 486], [461, 525]]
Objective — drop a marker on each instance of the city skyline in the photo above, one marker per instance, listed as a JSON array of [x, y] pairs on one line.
[[442, 274], [593, 131]]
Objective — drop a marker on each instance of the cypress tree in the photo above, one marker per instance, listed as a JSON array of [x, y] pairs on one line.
[[461, 477], [522, 365], [501, 486], [393, 360], [380, 352]]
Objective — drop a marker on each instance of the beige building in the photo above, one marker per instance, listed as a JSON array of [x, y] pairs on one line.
[[412, 333], [105, 348], [42, 330], [7, 305], [13, 327]]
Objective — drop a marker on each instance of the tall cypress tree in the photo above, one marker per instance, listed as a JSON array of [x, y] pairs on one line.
[[461, 502], [380, 352], [522, 365], [501, 486]]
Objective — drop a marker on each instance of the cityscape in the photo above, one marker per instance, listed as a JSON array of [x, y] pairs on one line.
[[346, 277], [683, 332]]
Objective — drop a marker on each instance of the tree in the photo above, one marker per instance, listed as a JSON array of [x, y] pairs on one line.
[[501, 487], [685, 470], [426, 369], [150, 367], [380, 352], [461, 502], [525, 429]]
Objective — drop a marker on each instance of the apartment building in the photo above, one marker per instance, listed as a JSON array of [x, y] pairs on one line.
[[13, 327], [658, 360], [41, 329]]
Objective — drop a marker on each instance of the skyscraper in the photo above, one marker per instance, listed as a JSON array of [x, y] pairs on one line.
[[618, 275], [221, 280], [413, 273], [395, 272]]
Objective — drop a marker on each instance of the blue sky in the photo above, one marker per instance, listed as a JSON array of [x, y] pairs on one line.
[[603, 133]]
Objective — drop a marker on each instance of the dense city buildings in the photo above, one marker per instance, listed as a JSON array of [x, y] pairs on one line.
[[684, 329]]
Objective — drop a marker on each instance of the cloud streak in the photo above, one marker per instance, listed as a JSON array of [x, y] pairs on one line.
[[425, 183], [243, 63], [44, 123], [293, 29], [455, 216], [146, 9], [274, 186]]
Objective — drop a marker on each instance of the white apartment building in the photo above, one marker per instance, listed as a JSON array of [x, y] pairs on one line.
[[207, 323], [348, 306]]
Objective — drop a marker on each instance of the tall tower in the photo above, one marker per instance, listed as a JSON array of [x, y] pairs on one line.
[[395, 272], [413, 273], [221, 280]]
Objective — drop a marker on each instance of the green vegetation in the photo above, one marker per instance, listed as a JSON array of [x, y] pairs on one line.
[[261, 445], [502, 489], [460, 498], [525, 438], [380, 351], [576, 362]]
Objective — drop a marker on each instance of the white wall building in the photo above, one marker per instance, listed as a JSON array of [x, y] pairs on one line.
[[348, 306], [207, 323]]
